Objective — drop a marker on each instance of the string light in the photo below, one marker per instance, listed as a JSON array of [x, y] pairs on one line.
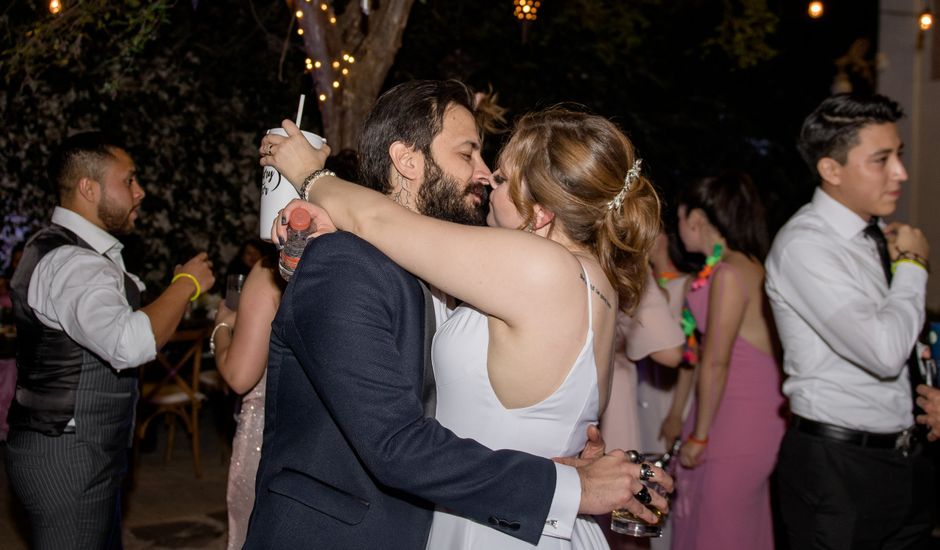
[[55, 7], [348, 59], [815, 9], [526, 10], [925, 20]]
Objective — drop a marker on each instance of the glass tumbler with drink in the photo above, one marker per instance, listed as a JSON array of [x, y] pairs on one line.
[[624, 522], [233, 290]]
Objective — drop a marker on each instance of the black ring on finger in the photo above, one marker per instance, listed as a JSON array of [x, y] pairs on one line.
[[644, 496], [646, 472]]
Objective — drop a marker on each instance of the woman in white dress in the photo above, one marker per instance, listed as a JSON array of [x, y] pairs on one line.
[[525, 363]]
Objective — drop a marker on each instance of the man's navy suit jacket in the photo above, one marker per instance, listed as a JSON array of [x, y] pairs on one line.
[[349, 461]]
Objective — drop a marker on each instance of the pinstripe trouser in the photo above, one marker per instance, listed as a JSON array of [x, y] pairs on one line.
[[70, 489]]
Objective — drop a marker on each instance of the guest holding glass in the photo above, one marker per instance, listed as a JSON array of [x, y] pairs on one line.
[[241, 356], [732, 436], [651, 332]]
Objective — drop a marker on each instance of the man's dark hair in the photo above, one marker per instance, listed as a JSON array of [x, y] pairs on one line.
[[81, 155], [832, 129], [413, 113], [733, 205]]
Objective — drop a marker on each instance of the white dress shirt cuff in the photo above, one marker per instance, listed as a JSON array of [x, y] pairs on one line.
[[565, 503], [910, 275]]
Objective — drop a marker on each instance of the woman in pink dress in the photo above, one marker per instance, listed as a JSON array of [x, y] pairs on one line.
[[734, 431]]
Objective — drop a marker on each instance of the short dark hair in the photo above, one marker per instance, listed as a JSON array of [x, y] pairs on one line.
[[733, 205], [81, 155], [832, 129], [411, 112]]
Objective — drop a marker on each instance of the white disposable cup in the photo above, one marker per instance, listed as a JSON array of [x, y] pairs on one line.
[[276, 191]]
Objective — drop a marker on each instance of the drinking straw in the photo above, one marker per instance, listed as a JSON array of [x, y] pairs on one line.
[[300, 109]]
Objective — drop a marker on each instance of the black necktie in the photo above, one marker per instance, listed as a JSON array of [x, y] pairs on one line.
[[874, 232]]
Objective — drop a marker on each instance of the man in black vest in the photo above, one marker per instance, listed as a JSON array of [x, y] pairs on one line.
[[81, 332]]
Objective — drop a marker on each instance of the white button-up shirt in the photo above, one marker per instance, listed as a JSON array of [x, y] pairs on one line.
[[846, 335], [81, 292]]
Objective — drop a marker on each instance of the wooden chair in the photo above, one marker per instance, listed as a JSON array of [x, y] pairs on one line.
[[173, 390]]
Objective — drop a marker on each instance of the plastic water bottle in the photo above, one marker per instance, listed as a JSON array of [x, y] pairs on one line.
[[298, 228]]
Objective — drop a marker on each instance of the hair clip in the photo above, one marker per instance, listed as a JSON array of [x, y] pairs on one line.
[[632, 175]]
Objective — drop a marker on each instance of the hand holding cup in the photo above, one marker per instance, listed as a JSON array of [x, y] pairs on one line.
[[293, 156], [291, 150], [613, 481]]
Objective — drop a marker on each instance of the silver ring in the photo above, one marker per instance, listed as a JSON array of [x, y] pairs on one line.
[[633, 456], [646, 472], [644, 496]]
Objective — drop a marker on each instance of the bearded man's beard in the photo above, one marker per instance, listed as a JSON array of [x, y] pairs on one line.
[[442, 197]]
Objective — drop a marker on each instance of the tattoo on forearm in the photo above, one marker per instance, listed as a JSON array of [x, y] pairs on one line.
[[598, 292]]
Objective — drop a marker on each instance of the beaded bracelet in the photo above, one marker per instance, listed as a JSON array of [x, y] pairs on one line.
[[215, 330], [192, 278], [310, 179]]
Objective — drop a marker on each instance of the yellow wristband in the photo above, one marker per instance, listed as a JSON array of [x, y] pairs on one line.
[[191, 278]]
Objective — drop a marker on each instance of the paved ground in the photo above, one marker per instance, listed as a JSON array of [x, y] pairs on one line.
[[167, 507]]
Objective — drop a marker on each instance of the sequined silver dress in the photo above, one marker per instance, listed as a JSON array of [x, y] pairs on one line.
[[246, 452]]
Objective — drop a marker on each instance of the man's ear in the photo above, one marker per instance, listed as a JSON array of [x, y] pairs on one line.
[[829, 170], [88, 189], [543, 217], [406, 160]]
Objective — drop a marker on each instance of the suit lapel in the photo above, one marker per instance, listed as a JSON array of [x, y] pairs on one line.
[[428, 389]]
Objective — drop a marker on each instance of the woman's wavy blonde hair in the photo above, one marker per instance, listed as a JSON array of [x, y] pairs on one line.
[[574, 164]]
